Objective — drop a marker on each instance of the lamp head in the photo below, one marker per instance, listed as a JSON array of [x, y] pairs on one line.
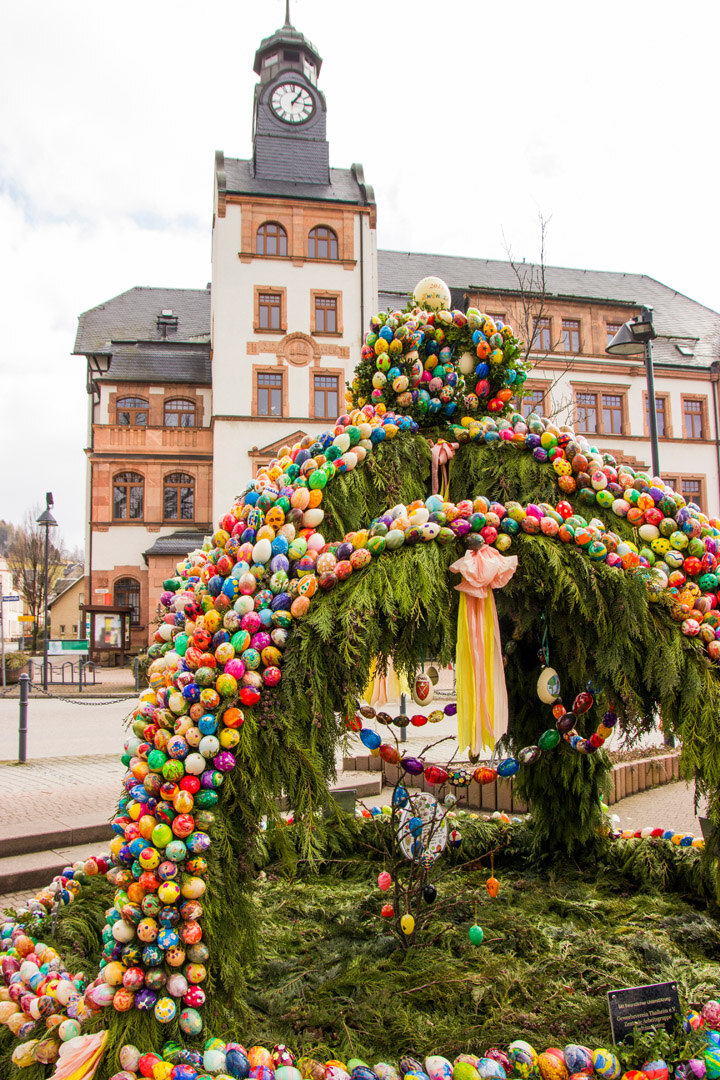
[[633, 335]]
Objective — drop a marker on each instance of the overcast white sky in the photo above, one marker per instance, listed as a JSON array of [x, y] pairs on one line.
[[470, 117]]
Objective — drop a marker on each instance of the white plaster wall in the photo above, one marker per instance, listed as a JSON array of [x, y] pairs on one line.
[[123, 545], [11, 609]]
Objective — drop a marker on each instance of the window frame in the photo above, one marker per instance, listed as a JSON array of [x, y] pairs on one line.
[[143, 406], [128, 480], [676, 481], [664, 396], [583, 428], [568, 329], [270, 290], [276, 372], [703, 414], [176, 481], [600, 389], [612, 409], [320, 295], [327, 373], [331, 239], [280, 236], [542, 324], [135, 609], [608, 335], [167, 410]]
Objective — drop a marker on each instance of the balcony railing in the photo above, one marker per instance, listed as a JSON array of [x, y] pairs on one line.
[[111, 438]]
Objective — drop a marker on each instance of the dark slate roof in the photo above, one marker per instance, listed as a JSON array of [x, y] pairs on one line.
[[163, 362], [132, 316], [176, 543], [678, 319], [346, 185], [286, 35]]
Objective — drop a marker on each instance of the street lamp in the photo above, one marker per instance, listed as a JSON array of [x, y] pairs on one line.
[[47, 521], [634, 337]]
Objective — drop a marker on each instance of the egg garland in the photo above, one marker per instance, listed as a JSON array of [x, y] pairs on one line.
[[435, 363], [519, 1061]]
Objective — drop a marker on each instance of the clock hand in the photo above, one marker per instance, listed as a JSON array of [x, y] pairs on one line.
[[299, 94]]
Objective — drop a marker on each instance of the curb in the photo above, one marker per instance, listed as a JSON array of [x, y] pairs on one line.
[[627, 778]]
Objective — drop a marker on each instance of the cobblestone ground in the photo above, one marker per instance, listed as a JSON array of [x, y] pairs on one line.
[[669, 807], [68, 785]]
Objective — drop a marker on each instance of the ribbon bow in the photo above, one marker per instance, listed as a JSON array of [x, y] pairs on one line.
[[482, 703], [442, 454]]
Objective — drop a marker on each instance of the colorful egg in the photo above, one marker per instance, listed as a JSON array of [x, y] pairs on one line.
[[606, 1065], [523, 1059], [438, 1068], [578, 1059]]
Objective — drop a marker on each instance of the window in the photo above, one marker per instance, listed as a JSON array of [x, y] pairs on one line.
[[693, 418], [178, 497], [326, 314], [269, 310], [533, 401], [128, 496], [496, 318], [691, 489], [271, 239], [611, 329], [587, 411], [612, 414], [127, 594], [571, 335], [541, 339], [326, 389], [179, 413], [62, 628], [661, 414], [131, 412], [74, 630], [269, 393], [322, 243]]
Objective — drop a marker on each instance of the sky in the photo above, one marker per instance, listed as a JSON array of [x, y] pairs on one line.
[[471, 118]]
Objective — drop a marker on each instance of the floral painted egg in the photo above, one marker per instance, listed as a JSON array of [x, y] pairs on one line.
[[438, 1068], [190, 1022], [165, 1010], [383, 1071], [711, 1013], [499, 1055], [606, 1065], [523, 1058], [578, 1059]]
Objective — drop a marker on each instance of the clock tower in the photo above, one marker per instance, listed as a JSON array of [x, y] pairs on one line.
[[289, 121]]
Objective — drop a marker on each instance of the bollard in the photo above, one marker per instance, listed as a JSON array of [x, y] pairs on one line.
[[81, 661], [22, 723], [136, 668], [403, 712]]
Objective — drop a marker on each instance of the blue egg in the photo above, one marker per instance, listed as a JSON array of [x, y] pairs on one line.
[[508, 766], [370, 738]]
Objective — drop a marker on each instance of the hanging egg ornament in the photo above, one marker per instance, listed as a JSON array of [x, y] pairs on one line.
[[384, 881], [493, 886], [423, 690], [476, 934], [548, 685], [407, 925]]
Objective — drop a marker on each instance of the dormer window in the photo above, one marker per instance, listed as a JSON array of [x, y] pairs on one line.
[[167, 322]]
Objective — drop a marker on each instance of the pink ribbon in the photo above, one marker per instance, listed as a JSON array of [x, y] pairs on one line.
[[484, 714], [442, 453]]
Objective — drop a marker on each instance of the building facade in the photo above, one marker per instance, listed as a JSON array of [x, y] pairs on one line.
[[190, 390]]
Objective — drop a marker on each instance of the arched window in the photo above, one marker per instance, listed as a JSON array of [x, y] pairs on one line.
[[179, 497], [179, 413], [128, 496], [127, 594], [271, 239], [131, 411], [322, 243]]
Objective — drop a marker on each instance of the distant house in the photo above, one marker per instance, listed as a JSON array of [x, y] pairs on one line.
[[64, 605]]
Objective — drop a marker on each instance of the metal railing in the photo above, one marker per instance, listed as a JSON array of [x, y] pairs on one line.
[[64, 673]]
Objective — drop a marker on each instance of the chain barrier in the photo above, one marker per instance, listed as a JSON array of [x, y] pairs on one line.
[[69, 700]]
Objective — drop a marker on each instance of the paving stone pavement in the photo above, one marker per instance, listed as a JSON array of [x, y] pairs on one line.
[[82, 786]]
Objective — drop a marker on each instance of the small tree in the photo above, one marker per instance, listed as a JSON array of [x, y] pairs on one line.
[[26, 560]]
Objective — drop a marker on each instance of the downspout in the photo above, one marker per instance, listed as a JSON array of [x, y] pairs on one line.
[[362, 282]]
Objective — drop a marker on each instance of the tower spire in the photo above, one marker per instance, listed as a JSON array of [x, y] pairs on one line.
[[287, 14]]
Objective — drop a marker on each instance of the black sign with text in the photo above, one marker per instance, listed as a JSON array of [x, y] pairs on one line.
[[642, 1007]]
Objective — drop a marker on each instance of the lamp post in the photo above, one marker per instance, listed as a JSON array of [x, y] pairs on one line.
[[634, 337], [47, 521]]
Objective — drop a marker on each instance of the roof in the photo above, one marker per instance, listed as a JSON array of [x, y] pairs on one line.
[[132, 316], [63, 586], [346, 185], [164, 362], [176, 543], [286, 35], [678, 319]]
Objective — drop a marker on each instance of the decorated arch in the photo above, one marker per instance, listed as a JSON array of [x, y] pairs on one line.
[[574, 594]]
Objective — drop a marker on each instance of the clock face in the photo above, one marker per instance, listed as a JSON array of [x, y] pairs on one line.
[[292, 103]]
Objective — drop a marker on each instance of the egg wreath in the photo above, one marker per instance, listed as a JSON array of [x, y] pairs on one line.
[[263, 650]]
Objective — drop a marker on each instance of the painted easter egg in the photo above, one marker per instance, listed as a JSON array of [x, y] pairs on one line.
[[463, 1070], [578, 1059], [606, 1065], [438, 1068], [489, 1069], [656, 1070], [433, 293], [523, 1058], [548, 685], [552, 1067]]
